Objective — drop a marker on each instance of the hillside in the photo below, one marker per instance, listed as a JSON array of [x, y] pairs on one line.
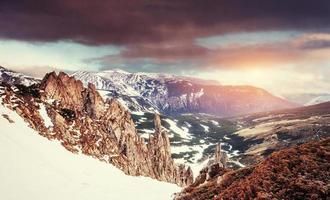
[[300, 172], [264, 133], [33, 167], [61, 109]]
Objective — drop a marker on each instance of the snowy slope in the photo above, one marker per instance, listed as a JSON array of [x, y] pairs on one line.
[[33, 167]]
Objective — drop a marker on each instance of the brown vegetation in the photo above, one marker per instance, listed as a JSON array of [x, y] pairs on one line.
[[302, 172]]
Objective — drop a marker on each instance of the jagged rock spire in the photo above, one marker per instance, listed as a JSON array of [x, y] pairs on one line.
[[157, 123], [161, 158], [217, 158], [72, 94], [220, 157]]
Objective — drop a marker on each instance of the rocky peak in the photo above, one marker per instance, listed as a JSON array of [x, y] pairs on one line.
[[63, 88], [71, 93], [157, 123], [160, 152]]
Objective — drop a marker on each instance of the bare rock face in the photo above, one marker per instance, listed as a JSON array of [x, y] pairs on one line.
[[219, 157], [85, 123], [215, 168], [72, 94], [160, 153]]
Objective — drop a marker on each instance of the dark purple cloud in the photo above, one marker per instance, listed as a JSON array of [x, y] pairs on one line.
[[316, 44], [160, 34], [151, 21]]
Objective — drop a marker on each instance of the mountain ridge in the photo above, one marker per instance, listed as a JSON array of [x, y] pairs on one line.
[[171, 95], [83, 122]]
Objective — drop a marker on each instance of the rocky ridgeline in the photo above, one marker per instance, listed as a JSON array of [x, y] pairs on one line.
[[84, 122]]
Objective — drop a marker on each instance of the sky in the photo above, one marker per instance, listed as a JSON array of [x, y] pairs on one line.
[[280, 45]]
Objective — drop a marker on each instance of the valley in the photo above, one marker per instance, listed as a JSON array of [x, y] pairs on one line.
[[246, 139]]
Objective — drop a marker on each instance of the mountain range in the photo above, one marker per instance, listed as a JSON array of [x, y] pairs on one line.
[[166, 127], [173, 95], [184, 105]]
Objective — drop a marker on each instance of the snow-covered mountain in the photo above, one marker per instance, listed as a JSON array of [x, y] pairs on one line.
[[12, 77], [318, 100], [33, 167], [172, 95], [193, 136], [307, 99]]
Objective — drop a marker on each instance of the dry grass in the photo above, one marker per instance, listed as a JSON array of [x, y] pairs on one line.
[[302, 172]]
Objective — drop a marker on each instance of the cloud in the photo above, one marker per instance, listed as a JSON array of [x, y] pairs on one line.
[[152, 21], [164, 36], [62, 55], [314, 41], [192, 55], [35, 71]]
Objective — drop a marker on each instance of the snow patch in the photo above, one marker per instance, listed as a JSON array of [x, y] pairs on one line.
[[215, 122], [139, 113], [206, 128], [48, 122], [182, 132]]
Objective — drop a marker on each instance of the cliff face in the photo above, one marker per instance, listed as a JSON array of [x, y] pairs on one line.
[[61, 108]]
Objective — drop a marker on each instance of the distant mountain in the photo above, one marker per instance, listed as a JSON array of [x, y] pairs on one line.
[[319, 99], [12, 77], [172, 95], [308, 98], [267, 132]]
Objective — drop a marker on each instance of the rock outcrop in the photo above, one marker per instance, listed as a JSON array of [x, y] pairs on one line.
[[84, 122], [160, 154], [220, 157], [300, 172], [216, 167]]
